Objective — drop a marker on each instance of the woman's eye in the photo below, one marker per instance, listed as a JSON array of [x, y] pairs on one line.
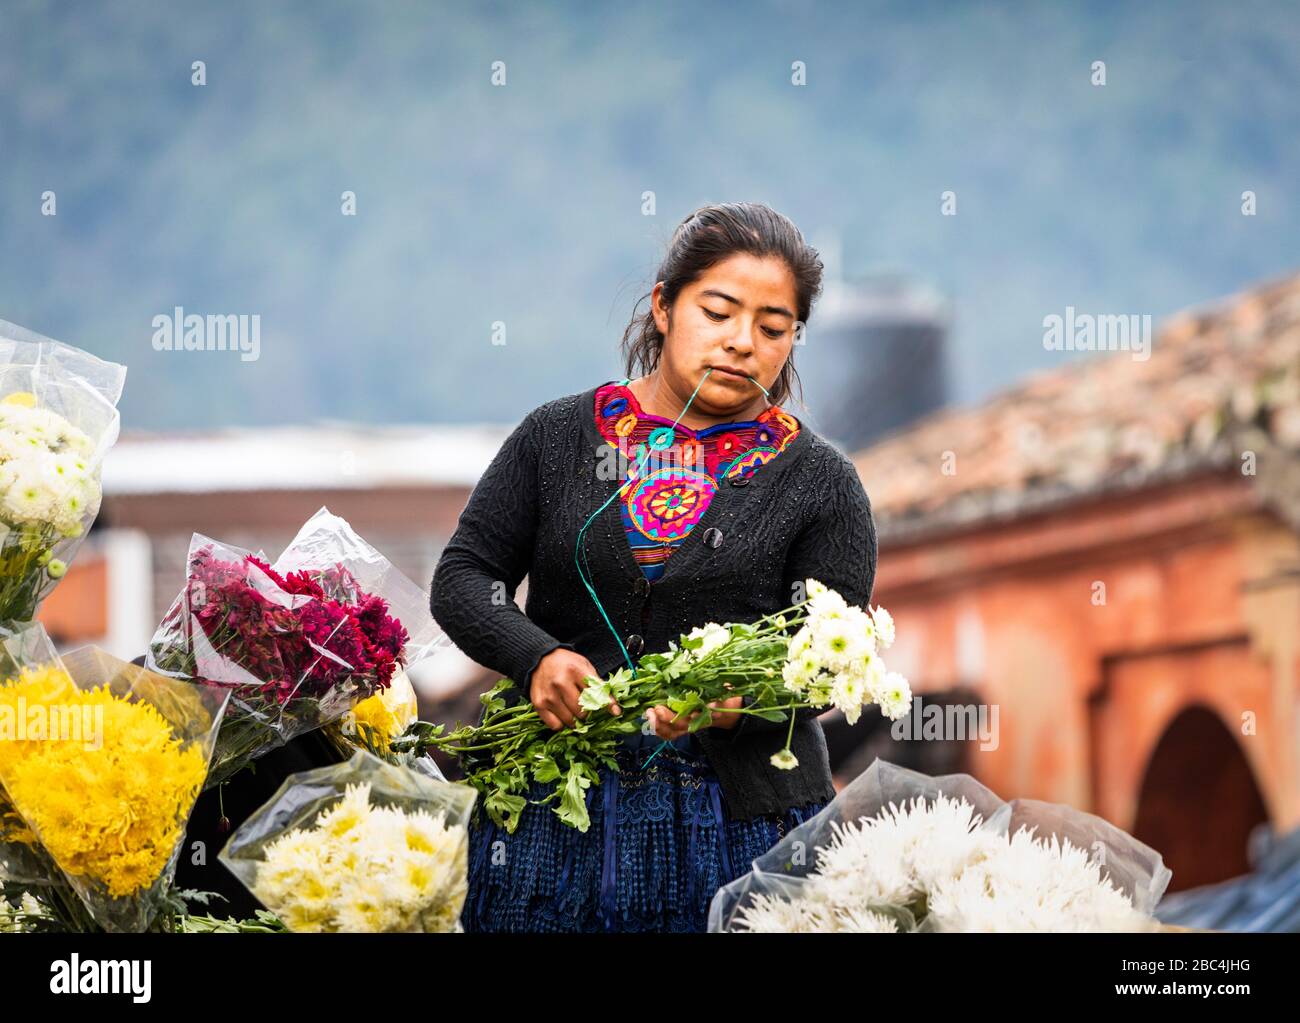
[[771, 332]]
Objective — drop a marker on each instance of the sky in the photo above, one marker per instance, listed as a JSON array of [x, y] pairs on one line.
[[522, 204]]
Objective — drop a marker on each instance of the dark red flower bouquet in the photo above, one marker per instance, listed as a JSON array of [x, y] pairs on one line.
[[297, 643]]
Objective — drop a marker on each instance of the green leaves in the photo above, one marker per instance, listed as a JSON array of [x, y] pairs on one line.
[[684, 704], [504, 809], [573, 799], [521, 766], [545, 768], [494, 699], [620, 684], [677, 668], [501, 687], [595, 696]]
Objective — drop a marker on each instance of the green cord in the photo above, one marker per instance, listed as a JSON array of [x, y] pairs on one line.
[[578, 547], [580, 553]]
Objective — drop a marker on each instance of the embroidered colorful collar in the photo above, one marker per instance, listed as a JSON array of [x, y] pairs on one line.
[[728, 449]]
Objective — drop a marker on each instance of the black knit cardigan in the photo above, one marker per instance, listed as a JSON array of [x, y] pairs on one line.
[[802, 515]]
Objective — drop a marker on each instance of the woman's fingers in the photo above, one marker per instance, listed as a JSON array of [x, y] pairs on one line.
[[665, 725], [569, 709], [562, 712], [586, 680], [722, 718], [555, 705], [560, 707], [549, 719]]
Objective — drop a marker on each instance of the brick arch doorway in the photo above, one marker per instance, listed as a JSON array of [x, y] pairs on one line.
[[1198, 801]]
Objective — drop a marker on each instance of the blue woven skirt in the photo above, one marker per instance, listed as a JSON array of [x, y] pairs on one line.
[[658, 848]]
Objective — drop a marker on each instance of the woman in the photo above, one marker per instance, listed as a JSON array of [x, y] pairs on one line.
[[750, 504]]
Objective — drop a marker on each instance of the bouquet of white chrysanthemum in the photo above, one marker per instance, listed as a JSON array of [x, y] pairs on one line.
[[899, 851], [58, 417], [821, 652], [834, 658], [363, 846]]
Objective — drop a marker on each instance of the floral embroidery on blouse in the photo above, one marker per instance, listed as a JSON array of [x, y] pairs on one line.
[[683, 467]]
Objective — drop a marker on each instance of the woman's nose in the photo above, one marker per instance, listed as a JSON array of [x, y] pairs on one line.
[[742, 340]]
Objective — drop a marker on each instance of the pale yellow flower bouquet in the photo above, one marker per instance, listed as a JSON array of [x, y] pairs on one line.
[[364, 846]]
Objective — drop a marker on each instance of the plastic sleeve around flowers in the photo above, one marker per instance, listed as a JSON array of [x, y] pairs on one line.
[[839, 549], [58, 418], [433, 870], [144, 763], [472, 595], [1134, 868]]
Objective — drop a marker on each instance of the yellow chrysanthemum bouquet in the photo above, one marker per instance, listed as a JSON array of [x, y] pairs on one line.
[[58, 417], [363, 846], [101, 761], [373, 723]]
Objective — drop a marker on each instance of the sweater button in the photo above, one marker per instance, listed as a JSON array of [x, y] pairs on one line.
[[713, 537], [740, 481], [642, 587], [635, 644]]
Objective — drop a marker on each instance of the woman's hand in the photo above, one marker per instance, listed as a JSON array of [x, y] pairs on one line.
[[557, 681], [721, 719], [662, 718]]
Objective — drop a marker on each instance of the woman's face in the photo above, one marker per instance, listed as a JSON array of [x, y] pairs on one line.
[[740, 316]]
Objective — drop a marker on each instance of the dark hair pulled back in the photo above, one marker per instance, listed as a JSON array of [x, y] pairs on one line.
[[706, 237]]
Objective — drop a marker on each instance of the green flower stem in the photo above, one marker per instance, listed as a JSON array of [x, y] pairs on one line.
[[512, 748]]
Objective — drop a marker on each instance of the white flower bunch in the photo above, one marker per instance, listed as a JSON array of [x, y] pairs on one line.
[[712, 637], [936, 860], [834, 659], [771, 914], [817, 653], [17, 917], [1032, 885], [46, 476], [365, 868]]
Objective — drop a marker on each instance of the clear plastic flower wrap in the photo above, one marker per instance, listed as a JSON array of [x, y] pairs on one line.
[[373, 723], [102, 762], [897, 850], [21, 859], [297, 643], [362, 846], [58, 418]]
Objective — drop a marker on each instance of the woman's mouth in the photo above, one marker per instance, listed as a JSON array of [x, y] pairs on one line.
[[728, 372]]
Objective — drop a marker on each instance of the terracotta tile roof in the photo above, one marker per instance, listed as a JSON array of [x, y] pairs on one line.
[[1104, 422]]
